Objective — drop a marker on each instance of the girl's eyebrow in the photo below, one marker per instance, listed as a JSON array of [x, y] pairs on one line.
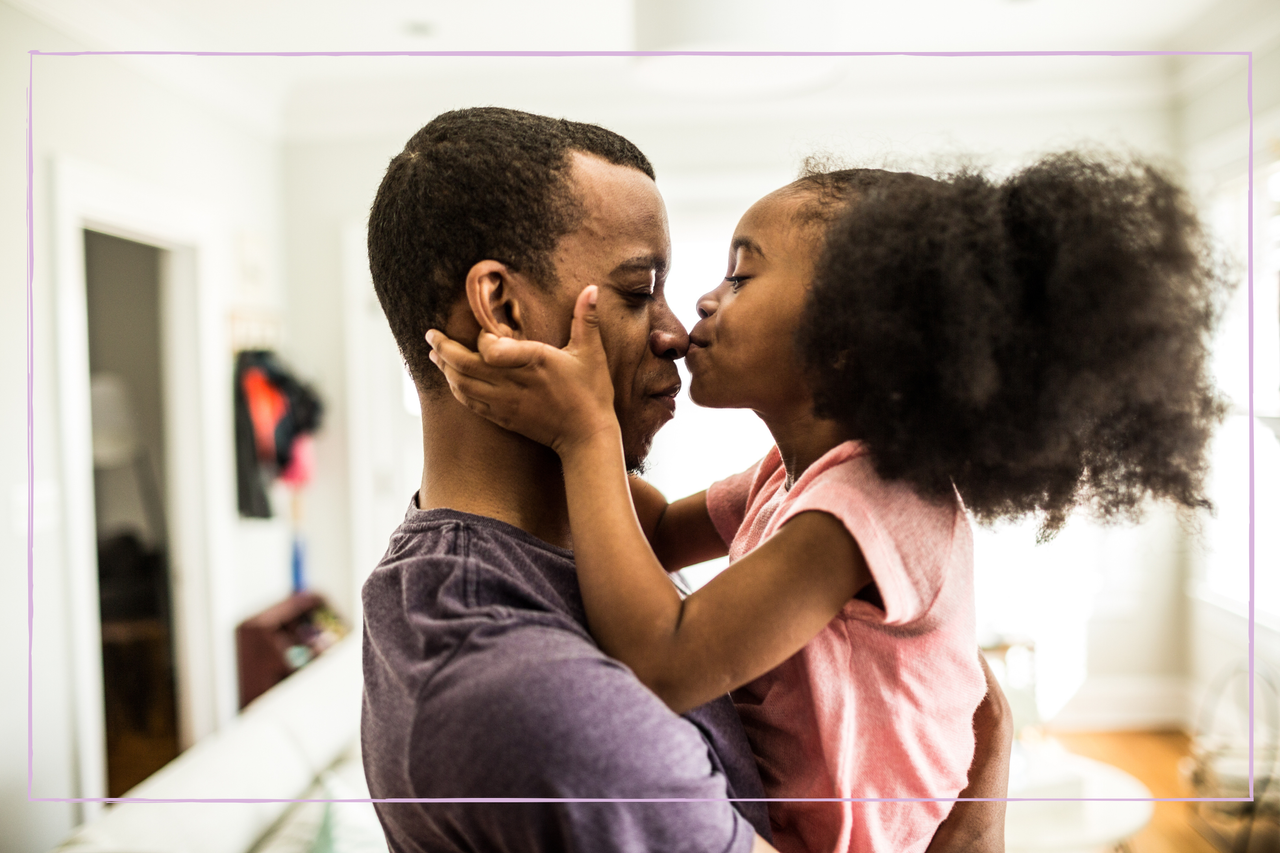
[[746, 243]]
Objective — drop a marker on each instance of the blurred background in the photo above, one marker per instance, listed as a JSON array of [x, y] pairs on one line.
[[188, 210]]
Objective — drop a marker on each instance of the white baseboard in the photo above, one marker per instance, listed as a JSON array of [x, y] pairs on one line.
[[1124, 702]]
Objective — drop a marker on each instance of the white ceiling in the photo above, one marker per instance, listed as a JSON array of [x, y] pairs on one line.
[[294, 25], [275, 92]]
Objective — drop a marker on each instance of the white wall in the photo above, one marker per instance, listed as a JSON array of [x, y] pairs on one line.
[[325, 188], [98, 111]]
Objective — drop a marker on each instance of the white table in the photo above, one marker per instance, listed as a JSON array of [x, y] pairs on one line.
[[1071, 824]]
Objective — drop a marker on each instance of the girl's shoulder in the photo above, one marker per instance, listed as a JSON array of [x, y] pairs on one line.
[[849, 470], [911, 545]]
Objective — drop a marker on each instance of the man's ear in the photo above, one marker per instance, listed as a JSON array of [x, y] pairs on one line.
[[493, 299]]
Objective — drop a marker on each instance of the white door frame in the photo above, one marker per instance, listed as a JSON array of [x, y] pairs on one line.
[[199, 436]]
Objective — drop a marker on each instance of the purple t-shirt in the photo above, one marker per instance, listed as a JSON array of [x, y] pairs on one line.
[[481, 680]]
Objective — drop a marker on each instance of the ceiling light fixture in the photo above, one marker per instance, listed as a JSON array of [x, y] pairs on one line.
[[727, 26], [418, 29]]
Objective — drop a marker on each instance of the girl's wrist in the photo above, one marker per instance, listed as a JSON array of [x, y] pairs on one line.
[[590, 440]]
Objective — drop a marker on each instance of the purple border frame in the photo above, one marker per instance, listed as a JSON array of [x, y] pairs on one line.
[[593, 53]]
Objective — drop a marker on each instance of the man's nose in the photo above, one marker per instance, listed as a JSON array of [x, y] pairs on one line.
[[669, 339]]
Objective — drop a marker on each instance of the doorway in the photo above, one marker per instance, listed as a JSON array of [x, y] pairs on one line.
[[127, 393]]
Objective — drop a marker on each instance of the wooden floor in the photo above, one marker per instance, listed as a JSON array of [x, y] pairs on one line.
[[1152, 758], [140, 710]]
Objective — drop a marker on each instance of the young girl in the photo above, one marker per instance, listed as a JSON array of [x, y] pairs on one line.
[[1026, 347]]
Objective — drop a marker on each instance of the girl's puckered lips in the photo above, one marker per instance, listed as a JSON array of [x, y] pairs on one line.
[[696, 340]]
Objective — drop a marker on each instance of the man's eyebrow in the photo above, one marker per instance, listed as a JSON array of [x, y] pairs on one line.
[[643, 263], [746, 243]]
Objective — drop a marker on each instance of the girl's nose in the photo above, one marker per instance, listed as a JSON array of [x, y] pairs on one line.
[[707, 304]]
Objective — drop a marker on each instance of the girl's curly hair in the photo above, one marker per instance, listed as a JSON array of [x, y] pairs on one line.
[[1039, 343]]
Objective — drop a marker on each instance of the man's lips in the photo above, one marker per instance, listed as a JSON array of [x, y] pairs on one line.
[[667, 396]]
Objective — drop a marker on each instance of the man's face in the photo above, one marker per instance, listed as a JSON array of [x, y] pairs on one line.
[[623, 247]]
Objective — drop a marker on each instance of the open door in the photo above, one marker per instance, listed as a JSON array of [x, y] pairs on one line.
[[127, 402], [156, 601]]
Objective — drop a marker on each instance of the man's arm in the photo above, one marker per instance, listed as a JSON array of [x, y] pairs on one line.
[[978, 827]]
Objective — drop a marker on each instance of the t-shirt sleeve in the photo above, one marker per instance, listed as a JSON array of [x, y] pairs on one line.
[[727, 502], [564, 728], [905, 540]]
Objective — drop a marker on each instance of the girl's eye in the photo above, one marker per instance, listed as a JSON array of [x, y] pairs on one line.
[[735, 281]]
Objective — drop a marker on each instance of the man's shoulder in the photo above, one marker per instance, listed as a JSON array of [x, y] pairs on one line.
[[448, 564], [443, 533]]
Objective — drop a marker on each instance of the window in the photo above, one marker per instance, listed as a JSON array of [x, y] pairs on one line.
[[1224, 547]]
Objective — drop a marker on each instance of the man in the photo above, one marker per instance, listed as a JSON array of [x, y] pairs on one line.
[[481, 680]]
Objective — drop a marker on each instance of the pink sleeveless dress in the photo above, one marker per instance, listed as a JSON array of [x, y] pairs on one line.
[[880, 703]]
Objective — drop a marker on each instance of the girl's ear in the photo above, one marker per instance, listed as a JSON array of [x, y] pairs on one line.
[[493, 299]]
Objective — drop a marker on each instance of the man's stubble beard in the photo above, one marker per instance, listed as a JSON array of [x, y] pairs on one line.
[[635, 454]]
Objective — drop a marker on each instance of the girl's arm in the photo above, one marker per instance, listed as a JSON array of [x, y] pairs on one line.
[[743, 623], [680, 534], [747, 620]]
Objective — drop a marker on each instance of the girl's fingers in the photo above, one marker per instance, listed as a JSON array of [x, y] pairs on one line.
[[499, 358], [478, 406], [478, 386], [467, 394], [447, 353], [584, 334], [455, 354], [453, 376], [508, 352], [527, 386], [476, 394]]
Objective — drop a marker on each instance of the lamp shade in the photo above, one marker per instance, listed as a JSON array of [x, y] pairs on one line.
[[115, 432]]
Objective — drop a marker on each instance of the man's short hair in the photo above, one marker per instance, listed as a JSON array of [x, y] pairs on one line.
[[473, 185]]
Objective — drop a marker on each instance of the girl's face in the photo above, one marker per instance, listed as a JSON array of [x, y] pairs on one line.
[[741, 353]]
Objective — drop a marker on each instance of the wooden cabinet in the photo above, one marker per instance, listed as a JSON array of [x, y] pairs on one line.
[[282, 639]]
